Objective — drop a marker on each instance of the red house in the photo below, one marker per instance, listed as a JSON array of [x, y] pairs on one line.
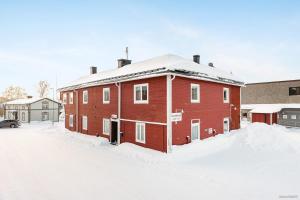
[[156, 103]]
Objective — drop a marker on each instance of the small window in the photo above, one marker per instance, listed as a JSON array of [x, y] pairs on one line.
[[141, 93], [71, 98], [294, 91], [195, 130], [226, 125], [284, 117], [23, 107], [195, 93], [71, 120], [85, 97], [106, 95], [45, 116], [140, 134], [23, 116], [45, 105], [106, 126], [84, 123], [65, 98], [226, 95], [293, 116]]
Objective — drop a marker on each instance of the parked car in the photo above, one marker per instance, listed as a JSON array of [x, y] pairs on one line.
[[10, 123]]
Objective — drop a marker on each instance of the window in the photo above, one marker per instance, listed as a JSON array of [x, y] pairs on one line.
[[195, 93], [23, 107], [71, 120], [226, 125], [23, 116], [195, 130], [84, 122], [45, 105], [284, 116], [293, 116], [45, 116], [106, 95], [71, 98], [64, 98], [141, 93], [294, 91], [226, 95], [140, 134], [85, 97], [106, 126]]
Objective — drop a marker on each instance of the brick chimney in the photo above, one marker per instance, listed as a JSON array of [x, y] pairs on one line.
[[93, 70]]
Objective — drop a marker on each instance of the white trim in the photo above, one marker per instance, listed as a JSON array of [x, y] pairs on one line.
[[197, 86], [228, 124], [106, 120], [86, 119], [143, 129], [134, 93], [71, 124], [228, 95], [71, 94], [195, 122], [85, 92], [119, 111], [146, 122], [103, 95], [169, 113], [271, 118]]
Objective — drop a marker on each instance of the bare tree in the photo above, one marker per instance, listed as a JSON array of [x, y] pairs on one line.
[[14, 92], [43, 88]]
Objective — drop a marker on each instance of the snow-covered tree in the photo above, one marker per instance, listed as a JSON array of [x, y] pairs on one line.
[[43, 88], [14, 92]]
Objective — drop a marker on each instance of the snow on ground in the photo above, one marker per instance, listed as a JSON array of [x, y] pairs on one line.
[[39, 161]]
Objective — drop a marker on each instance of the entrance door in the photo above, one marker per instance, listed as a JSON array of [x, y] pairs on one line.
[[114, 133], [195, 128]]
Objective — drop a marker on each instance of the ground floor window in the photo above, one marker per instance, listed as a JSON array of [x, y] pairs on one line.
[[140, 133], [71, 118], [23, 116], [293, 116], [195, 130], [84, 123], [284, 116], [106, 126], [45, 116], [226, 125]]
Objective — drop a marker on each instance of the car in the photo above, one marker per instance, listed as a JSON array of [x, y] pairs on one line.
[[10, 123]]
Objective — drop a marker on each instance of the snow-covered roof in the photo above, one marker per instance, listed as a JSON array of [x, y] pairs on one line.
[[267, 108], [156, 66], [25, 101]]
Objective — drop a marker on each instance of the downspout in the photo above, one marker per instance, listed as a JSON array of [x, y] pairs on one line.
[[77, 117], [169, 112], [119, 112]]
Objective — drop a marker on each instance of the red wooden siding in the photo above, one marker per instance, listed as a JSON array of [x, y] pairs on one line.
[[264, 118]]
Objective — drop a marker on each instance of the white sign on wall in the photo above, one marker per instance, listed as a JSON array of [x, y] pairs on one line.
[[176, 117]]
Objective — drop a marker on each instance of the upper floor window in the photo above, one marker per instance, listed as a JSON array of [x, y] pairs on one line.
[[226, 95], [195, 93], [141, 93], [106, 95], [71, 98], [85, 97], [45, 105], [294, 91], [64, 98]]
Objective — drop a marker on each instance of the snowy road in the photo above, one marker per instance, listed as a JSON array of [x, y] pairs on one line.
[[44, 162]]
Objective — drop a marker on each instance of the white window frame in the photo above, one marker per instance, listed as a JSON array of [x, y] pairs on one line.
[[64, 98], [228, 93], [138, 127], [284, 117], [195, 122], [105, 120], [293, 116], [228, 124], [134, 93], [71, 98], [71, 122], [103, 93], [198, 93], [85, 92], [84, 125]]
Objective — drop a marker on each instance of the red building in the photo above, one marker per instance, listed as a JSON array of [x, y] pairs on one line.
[[155, 103]]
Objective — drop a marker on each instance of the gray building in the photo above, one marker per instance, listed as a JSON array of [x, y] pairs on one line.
[[284, 95], [32, 109]]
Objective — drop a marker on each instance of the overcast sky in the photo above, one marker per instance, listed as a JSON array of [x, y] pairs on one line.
[[49, 40]]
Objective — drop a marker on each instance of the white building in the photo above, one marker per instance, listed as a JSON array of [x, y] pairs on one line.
[[32, 109]]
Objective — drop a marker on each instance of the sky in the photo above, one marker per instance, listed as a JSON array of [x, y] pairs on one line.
[[58, 41]]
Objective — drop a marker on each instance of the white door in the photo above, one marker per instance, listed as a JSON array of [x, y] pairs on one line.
[[195, 128], [226, 125]]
